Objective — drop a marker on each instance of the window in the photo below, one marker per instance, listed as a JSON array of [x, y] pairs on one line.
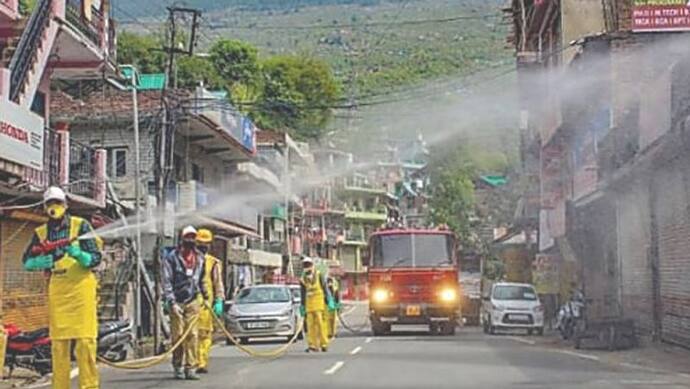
[[117, 162], [197, 173]]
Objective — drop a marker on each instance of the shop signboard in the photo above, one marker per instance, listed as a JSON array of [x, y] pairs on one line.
[[660, 15]]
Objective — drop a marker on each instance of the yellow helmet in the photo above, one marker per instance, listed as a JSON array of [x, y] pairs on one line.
[[204, 236]]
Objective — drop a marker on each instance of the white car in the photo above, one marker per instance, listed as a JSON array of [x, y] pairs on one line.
[[512, 306]]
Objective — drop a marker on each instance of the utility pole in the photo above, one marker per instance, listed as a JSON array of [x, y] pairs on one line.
[[137, 208], [286, 188], [164, 151]]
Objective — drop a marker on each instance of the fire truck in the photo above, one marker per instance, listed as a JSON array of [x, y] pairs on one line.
[[413, 279]]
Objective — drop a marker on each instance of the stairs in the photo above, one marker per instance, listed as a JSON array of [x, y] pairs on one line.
[[26, 54], [115, 295]]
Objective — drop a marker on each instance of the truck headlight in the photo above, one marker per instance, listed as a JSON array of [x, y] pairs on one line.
[[448, 295], [380, 296]]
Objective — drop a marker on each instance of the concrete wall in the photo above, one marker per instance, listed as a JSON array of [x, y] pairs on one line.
[[580, 18]]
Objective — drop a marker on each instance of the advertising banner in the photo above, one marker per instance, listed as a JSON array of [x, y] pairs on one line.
[[21, 135], [661, 15]]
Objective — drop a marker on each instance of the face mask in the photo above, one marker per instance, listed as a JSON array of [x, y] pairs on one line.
[[203, 249], [56, 211], [188, 244]]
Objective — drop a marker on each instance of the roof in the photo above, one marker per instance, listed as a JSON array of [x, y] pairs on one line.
[[110, 103], [494, 181], [409, 231]]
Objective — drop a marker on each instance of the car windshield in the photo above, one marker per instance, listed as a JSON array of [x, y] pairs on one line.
[[514, 292], [263, 295], [412, 250]]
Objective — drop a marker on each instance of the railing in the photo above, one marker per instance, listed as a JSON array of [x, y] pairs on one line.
[[269, 247], [52, 157], [94, 29], [82, 169], [25, 55]]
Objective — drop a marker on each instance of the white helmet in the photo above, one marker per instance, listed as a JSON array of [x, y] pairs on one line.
[[307, 260], [54, 194], [188, 231]]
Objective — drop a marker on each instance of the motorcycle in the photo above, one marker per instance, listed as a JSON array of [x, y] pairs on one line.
[[28, 350], [569, 314], [31, 350]]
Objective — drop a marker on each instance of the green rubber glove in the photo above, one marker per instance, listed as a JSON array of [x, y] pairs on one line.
[[331, 305], [81, 256], [218, 307], [41, 262], [302, 311]]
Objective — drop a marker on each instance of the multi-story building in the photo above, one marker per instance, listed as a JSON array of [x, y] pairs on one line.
[[57, 41], [612, 119]]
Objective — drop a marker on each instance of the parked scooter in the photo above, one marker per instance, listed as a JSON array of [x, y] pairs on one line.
[[31, 350], [569, 315]]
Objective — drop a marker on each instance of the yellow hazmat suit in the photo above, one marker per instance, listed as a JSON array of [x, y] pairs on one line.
[[315, 307], [72, 314], [214, 283]]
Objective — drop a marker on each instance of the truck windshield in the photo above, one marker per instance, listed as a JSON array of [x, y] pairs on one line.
[[412, 250]]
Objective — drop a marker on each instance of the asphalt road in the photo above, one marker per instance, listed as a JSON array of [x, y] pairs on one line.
[[469, 359]]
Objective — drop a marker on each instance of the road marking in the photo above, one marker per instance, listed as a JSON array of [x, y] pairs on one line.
[[644, 382], [522, 340], [72, 375], [356, 350], [368, 340], [334, 368], [684, 375], [583, 356]]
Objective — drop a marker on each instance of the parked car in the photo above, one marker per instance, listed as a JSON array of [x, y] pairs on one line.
[[512, 306], [263, 311]]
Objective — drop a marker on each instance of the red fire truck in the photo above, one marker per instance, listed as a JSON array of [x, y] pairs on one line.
[[413, 279]]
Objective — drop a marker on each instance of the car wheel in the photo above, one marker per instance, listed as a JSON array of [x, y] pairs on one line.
[[529, 332], [228, 342], [244, 341], [448, 328], [540, 331], [433, 329], [492, 329]]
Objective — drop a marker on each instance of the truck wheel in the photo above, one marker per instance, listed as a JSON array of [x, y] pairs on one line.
[[448, 328]]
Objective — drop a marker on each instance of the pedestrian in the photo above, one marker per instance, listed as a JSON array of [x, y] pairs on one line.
[[213, 282], [72, 312], [331, 316], [316, 299], [183, 293]]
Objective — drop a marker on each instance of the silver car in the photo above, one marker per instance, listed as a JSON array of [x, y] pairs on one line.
[[263, 311]]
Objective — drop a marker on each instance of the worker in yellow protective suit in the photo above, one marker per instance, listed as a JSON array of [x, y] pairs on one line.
[[332, 316], [213, 280], [316, 299], [72, 318]]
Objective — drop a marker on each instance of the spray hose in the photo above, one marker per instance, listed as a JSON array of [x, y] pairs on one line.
[[356, 331], [253, 353], [144, 363]]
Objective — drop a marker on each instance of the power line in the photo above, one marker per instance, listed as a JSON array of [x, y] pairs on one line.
[[355, 25]]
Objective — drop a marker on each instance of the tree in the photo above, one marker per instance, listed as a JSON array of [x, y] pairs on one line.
[[193, 70], [142, 51], [297, 94], [235, 61], [452, 191]]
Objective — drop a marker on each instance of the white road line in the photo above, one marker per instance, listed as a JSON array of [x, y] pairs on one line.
[[72, 375], [583, 356], [368, 340], [684, 375], [522, 340], [356, 350], [643, 382], [334, 368]]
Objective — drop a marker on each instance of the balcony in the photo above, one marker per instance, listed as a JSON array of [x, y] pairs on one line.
[[9, 9], [92, 24]]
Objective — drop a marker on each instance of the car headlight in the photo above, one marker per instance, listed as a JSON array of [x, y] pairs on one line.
[[380, 295], [286, 312], [448, 295], [498, 308]]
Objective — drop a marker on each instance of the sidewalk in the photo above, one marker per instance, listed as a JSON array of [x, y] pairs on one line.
[[651, 356]]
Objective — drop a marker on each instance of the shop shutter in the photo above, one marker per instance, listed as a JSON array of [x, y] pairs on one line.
[[673, 220], [24, 294]]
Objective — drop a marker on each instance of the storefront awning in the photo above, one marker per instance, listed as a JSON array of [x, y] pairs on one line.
[[232, 229]]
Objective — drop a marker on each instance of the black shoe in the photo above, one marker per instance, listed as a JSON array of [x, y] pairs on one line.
[[202, 370], [324, 349]]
